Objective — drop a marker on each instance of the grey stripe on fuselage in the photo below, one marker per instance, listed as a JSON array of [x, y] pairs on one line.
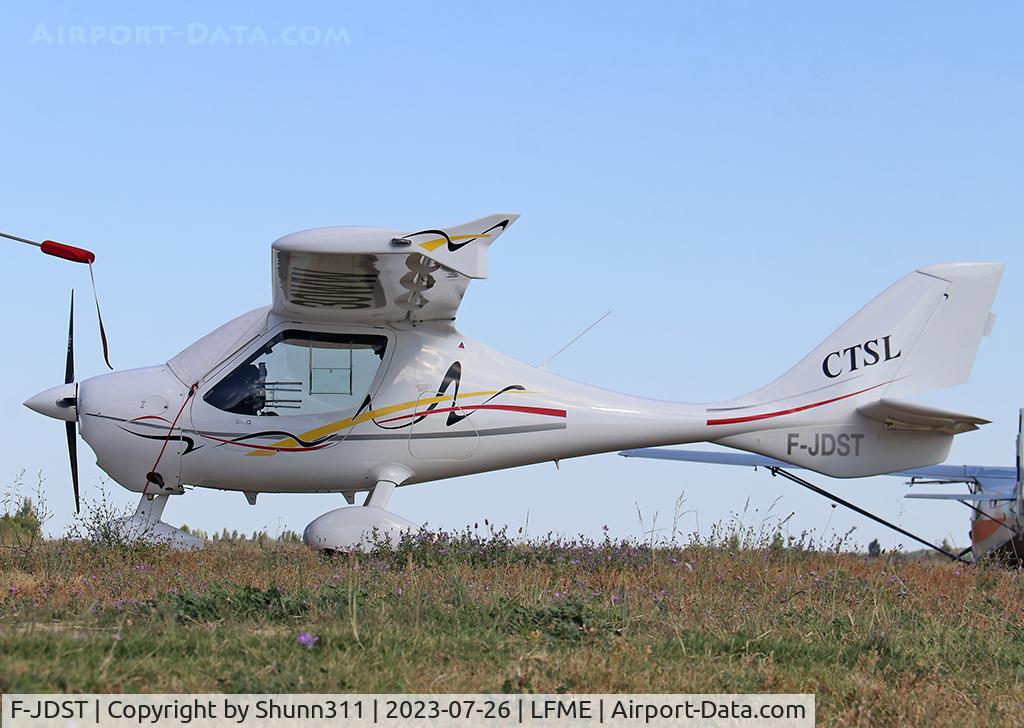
[[463, 433], [341, 437]]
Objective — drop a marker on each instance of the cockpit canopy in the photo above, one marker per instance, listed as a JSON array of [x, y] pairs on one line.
[[302, 373], [202, 357]]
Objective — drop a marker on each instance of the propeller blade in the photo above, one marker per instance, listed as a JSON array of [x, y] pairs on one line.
[[69, 377], [69, 366], [73, 457]]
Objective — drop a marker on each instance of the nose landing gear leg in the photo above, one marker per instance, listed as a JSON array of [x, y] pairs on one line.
[[145, 525]]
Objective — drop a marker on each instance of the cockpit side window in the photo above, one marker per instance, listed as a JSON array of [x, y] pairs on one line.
[[302, 373]]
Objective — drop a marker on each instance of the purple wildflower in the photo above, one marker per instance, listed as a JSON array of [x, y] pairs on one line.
[[308, 639]]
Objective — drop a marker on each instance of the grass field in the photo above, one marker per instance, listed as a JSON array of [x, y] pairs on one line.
[[887, 641]]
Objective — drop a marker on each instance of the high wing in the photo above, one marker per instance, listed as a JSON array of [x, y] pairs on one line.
[[380, 275], [996, 483]]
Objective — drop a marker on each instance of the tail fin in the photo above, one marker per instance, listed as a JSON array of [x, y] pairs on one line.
[[919, 334]]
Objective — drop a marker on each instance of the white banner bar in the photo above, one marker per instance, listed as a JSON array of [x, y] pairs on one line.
[[402, 711]]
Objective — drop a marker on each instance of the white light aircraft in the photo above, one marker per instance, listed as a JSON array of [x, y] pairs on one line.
[[356, 380]]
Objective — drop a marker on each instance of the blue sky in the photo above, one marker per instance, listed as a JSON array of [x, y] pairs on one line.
[[732, 180]]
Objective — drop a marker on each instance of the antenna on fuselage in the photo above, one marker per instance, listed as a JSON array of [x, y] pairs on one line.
[[578, 336]]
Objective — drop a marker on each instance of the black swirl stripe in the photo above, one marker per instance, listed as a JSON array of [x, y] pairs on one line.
[[190, 443], [452, 378], [451, 244]]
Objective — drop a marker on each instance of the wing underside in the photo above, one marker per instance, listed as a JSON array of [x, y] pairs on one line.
[[994, 482]]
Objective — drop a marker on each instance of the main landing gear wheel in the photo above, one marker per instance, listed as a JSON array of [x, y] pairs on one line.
[[358, 528]]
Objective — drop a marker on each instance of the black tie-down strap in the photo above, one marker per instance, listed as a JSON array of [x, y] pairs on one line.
[[775, 470]]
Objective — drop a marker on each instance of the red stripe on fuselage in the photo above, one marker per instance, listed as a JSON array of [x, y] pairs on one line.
[[768, 415], [504, 407]]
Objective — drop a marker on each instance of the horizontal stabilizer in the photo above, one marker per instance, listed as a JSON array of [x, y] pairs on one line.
[[901, 415]]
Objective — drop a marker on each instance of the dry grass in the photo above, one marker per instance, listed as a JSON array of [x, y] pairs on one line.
[[887, 641]]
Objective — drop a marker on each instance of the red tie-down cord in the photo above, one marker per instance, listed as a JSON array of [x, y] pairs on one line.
[[75, 255], [153, 476]]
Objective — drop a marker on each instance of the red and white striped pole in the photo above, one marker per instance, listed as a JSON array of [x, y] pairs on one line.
[[75, 255], [58, 250]]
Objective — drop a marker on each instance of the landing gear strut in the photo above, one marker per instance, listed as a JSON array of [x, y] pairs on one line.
[[359, 527], [145, 525]]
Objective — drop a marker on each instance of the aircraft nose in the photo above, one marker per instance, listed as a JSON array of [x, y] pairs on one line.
[[60, 403]]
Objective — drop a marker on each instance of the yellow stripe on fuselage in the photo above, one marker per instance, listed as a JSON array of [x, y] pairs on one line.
[[333, 427]]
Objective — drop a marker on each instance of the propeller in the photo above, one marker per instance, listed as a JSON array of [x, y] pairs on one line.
[[69, 427], [68, 398]]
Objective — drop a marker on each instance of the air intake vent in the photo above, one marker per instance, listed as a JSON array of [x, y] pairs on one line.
[[356, 287]]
